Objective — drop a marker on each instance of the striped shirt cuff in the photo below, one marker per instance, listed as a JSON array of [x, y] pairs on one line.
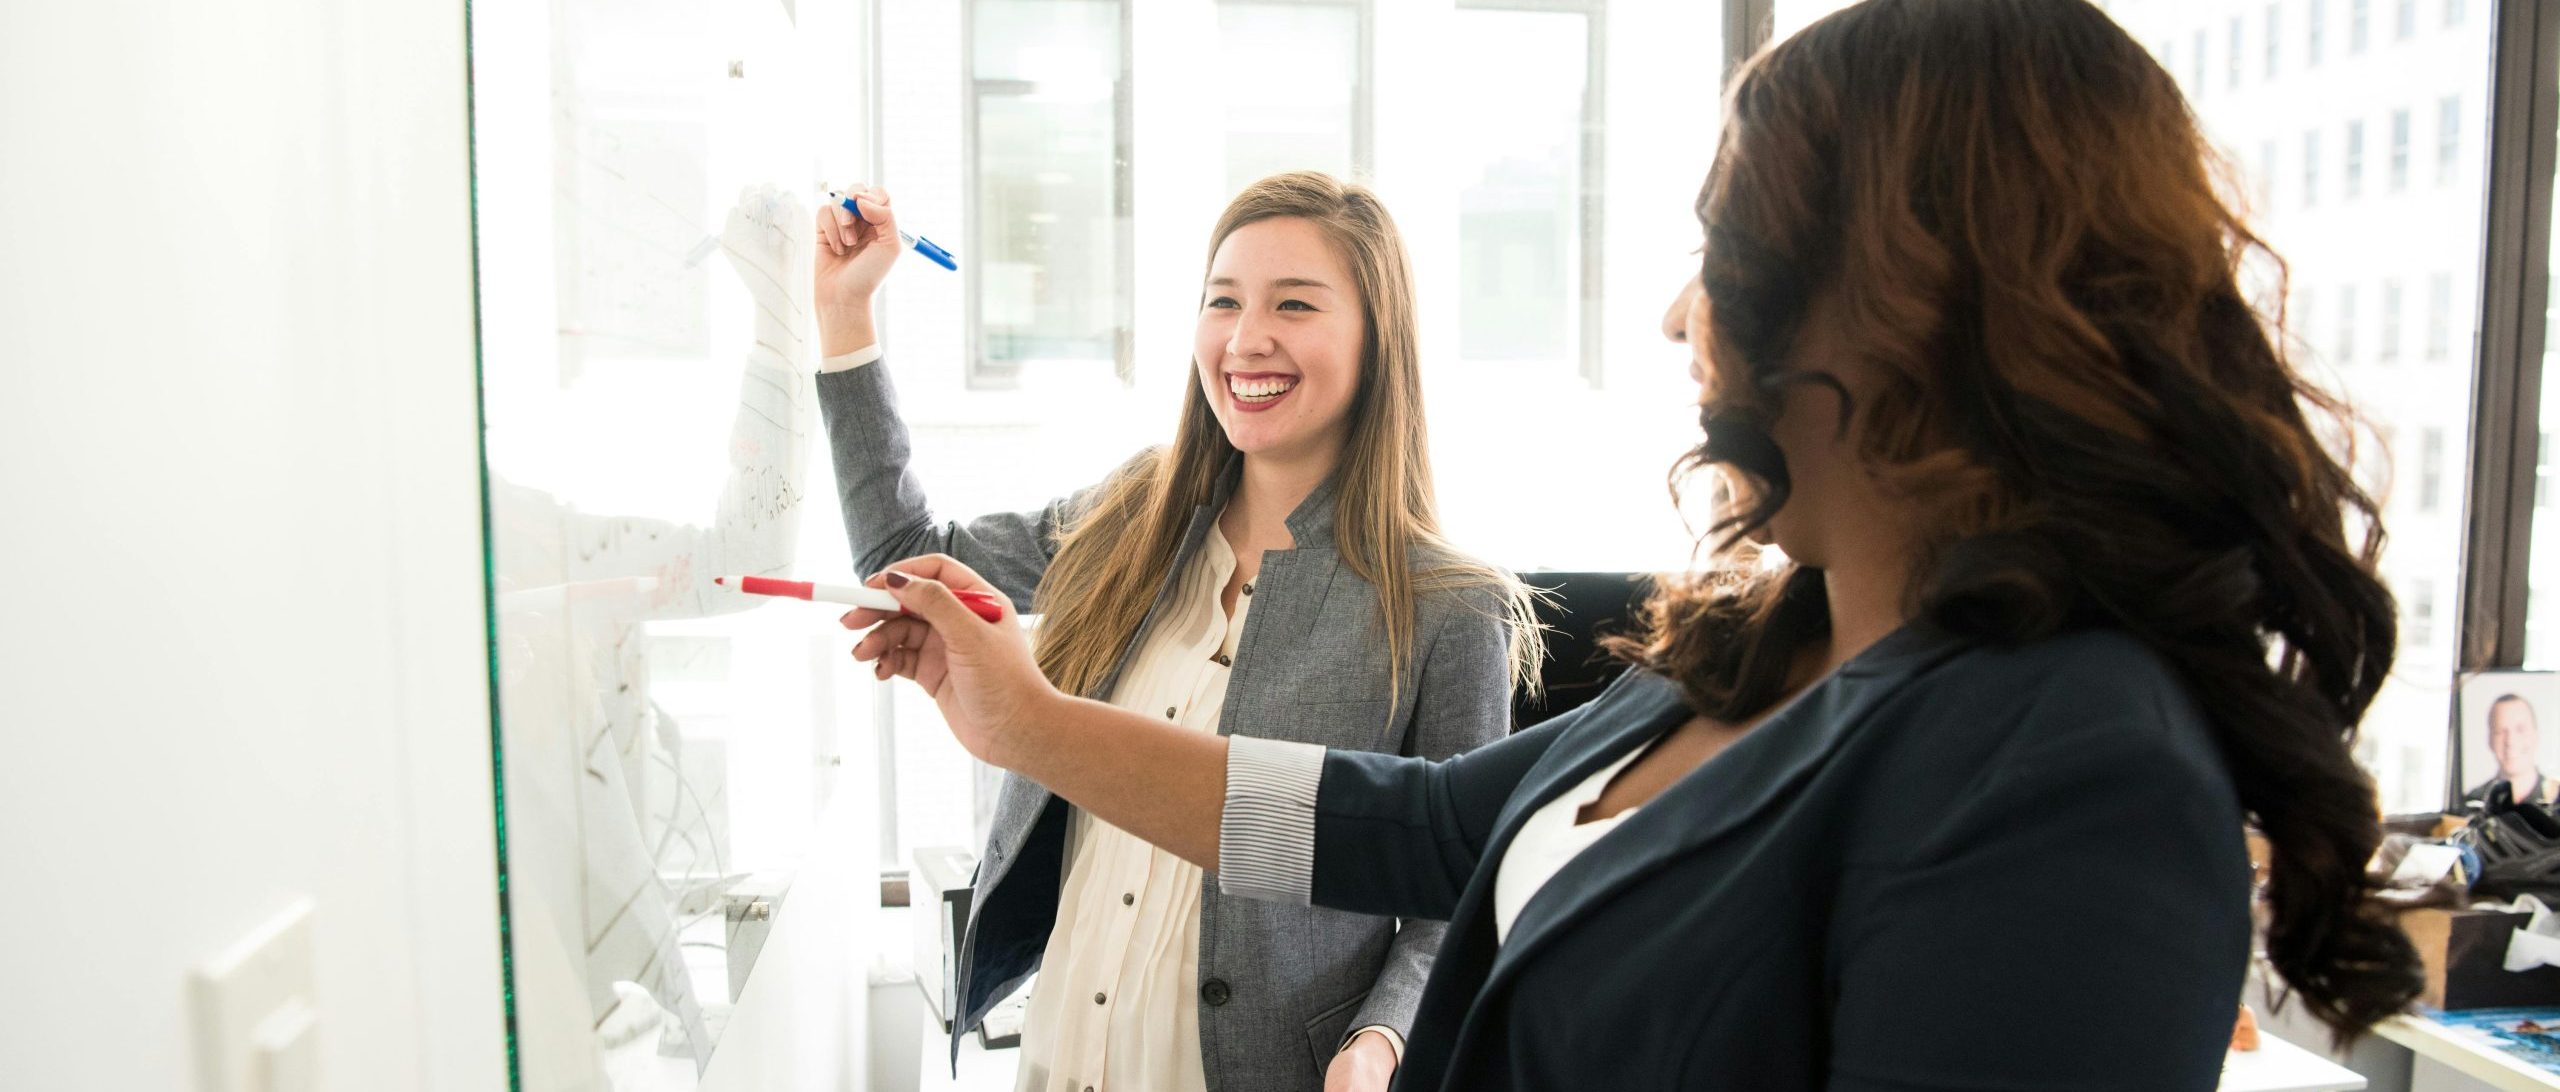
[[1267, 837], [849, 361]]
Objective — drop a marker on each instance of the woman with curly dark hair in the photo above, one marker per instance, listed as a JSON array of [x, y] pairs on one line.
[[1953, 797]]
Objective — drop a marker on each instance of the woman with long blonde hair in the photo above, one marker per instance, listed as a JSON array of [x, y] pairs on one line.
[[1279, 566]]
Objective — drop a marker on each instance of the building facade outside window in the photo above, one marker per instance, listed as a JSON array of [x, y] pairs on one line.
[[2311, 167], [2399, 150], [2387, 343], [2232, 62], [2439, 316], [2274, 36], [2355, 160], [2448, 137], [2367, 250]]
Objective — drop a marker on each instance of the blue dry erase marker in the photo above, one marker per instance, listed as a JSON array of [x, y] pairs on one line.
[[932, 253]]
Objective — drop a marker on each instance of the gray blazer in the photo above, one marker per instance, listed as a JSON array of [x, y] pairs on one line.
[[1279, 985]]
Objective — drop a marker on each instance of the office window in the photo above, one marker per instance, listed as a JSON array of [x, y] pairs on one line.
[[2420, 616], [2439, 316], [2302, 321], [2311, 168], [2274, 36], [2390, 264], [2448, 137], [2399, 150], [2231, 64], [2388, 348], [1526, 266], [2266, 174], [2355, 159], [2408, 20], [1049, 109], [2542, 567], [2542, 473], [2195, 85], [1318, 119], [2454, 10], [2430, 469]]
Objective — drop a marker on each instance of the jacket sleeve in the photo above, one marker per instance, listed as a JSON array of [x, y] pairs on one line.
[[2080, 923], [1462, 702], [885, 514], [1394, 835]]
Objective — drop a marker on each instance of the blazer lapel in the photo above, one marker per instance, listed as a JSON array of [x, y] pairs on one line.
[[1729, 791]]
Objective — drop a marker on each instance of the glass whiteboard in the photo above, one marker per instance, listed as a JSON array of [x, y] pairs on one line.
[[643, 173]]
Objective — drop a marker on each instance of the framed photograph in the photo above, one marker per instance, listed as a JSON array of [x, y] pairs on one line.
[[2508, 735]]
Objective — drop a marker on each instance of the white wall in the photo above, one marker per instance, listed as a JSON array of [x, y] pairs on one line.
[[243, 660]]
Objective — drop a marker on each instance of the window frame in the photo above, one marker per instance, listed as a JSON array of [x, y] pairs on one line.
[[980, 374], [2515, 276]]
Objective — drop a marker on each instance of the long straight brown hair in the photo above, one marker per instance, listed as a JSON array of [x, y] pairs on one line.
[[1385, 515], [2016, 212]]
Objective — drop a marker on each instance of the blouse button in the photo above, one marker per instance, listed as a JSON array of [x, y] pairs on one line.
[[1248, 587], [1223, 660], [1128, 898], [1168, 712], [1097, 998]]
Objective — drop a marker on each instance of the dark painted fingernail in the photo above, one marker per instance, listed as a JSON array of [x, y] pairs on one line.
[[897, 580]]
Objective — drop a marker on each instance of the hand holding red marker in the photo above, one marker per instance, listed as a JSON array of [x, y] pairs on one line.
[[983, 604]]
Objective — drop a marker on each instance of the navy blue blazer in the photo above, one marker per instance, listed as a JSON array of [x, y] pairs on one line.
[[1945, 866]]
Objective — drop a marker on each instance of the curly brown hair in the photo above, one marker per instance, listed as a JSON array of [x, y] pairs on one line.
[[2015, 213]]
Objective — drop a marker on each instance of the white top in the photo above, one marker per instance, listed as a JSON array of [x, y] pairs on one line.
[[1548, 841]]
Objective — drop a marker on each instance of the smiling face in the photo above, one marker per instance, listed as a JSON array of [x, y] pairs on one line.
[[1280, 340]]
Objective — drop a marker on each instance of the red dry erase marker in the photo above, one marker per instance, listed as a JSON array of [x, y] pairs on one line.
[[982, 604]]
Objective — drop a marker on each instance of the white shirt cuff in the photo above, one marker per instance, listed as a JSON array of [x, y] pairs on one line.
[[1267, 836], [851, 360]]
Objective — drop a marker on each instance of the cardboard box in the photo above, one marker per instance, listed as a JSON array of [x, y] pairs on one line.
[[2465, 953]]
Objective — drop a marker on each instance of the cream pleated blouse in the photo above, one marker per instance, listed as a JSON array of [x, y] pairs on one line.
[[1115, 1006]]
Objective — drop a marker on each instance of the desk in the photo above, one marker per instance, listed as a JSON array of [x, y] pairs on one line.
[[2279, 1066], [2276, 1066], [2465, 1051]]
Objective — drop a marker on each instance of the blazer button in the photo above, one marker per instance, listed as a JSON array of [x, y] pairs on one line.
[[1216, 992]]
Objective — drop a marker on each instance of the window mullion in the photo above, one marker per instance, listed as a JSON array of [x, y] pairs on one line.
[[2515, 281]]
